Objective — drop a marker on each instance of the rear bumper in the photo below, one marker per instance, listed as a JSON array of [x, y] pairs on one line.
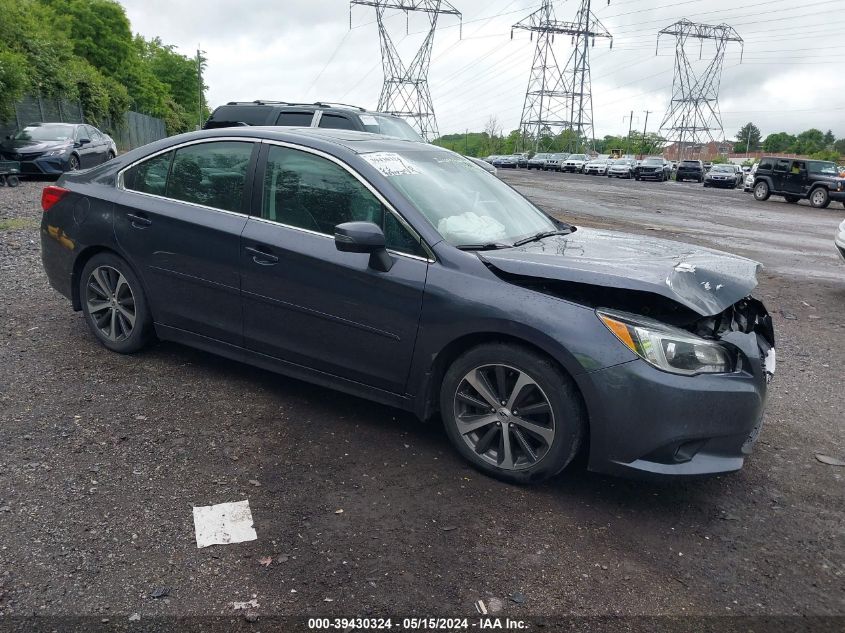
[[58, 257], [688, 175], [648, 423]]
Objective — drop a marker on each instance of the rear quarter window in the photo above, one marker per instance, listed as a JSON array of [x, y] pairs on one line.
[[251, 115], [295, 119], [336, 122]]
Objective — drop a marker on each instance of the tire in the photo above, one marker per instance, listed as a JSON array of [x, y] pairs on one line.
[[819, 198], [111, 294], [762, 191], [12, 181], [705, 185], [110, 156], [792, 199], [558, 413], [73, 162]]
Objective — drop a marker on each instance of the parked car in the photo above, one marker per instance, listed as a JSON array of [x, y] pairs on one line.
[[839, 240], [597, 166], [521, 159], [505, 162], [707, 166], [574, 163], [483, 164], [815, 180], [748, 184], [622, 168], [690, 170], [337, 116], [402, 273], [554, 162], [654, 168], [54, 148], [723, 176], [538, 161]]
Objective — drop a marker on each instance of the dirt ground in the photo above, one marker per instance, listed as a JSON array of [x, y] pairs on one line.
[[102, 458]]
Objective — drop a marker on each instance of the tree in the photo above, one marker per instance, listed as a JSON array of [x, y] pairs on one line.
[[839, 146], [778, 142], [829, 139], [748, 138], [809, 141]]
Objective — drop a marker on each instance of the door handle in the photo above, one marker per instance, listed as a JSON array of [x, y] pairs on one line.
[[139, 221], [262, 257]]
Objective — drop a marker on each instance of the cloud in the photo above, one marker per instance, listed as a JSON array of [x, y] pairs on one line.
[[282, 50]]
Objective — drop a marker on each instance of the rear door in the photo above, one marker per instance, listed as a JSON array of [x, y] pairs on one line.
[[796, 178], [179, 219], [306, 302], [100, 145], [85, 147]]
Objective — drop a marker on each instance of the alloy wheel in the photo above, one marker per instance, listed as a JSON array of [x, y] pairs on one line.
[[818, 198], [504, 416], [73, 163], [111, 303]]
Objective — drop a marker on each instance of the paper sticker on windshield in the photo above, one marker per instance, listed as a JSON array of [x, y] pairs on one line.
[[368, 119], [390, 164]]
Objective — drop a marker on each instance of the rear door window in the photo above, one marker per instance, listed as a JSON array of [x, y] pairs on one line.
[[211, 174], [295, 119], [336, 122], [149, 176]]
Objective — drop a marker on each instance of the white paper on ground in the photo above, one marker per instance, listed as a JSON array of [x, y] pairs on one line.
[[223, 524]]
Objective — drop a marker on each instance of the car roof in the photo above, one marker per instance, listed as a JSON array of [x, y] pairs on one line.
[[351, 140]]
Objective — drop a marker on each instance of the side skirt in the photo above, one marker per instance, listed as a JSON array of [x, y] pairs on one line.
[[293, 370]]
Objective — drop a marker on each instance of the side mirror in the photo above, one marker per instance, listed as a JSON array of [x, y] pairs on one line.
[[83, 141], [363, 237]]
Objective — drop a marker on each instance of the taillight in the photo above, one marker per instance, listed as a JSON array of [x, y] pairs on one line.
[[51, 195]]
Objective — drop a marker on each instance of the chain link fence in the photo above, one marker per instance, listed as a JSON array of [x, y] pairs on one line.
[[132, 130]]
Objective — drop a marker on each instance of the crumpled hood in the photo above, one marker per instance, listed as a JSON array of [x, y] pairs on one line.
[[704, 280]]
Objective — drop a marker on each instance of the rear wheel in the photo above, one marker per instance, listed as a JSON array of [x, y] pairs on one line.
[[512, 413], [819, 198], [114, 304], [761, 191]]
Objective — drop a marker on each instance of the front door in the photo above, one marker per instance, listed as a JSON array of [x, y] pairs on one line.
[[308, 303], [180, 219]]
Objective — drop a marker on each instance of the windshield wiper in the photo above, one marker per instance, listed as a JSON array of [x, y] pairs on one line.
[[540, 236], [490, 246]]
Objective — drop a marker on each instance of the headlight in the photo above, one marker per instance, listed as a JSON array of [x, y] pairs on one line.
[[56, 152], [668, 348]]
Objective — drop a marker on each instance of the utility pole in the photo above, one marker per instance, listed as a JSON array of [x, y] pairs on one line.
[[747, 141], [645, 127], [199, 87], [557, 100], [693, 112], [630, 127], [405, 90], [466, 141]]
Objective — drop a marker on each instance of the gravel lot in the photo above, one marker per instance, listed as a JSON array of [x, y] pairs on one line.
[[104, 456]]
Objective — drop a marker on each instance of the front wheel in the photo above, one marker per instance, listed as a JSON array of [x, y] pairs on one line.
[[819, 198], [73, 162], [114, 304], [512, 413], [761, 191]]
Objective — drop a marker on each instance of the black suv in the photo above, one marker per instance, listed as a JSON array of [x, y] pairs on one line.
[[690, 170], [795, 178], [338, 116]]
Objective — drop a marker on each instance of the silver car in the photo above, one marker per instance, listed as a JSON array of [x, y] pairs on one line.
[[839, 240], [622, 168]]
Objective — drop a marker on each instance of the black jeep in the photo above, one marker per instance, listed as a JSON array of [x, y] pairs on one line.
[[319, 114], [795, 178]]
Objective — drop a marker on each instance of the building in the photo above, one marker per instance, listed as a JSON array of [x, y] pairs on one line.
[[698, 151]]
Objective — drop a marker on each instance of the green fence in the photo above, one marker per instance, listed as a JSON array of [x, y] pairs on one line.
[[133, 130]]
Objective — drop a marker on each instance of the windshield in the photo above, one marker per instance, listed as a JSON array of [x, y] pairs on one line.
[[690, 163], [652, 161], [729, 168], [45, 133], [622, 161], [466, 205], [822, 167], [389, 126], [541, 156], [578, 157]]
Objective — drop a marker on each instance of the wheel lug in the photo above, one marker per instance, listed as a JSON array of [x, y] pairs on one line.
[[503, 403], [515, 412], [498, 424]]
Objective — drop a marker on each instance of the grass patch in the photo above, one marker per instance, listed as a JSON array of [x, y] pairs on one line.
[[17, 224]]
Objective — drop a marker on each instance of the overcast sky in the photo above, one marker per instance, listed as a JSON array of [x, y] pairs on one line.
[[304, 50]]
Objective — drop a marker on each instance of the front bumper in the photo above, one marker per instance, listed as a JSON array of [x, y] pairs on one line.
[[45, 166], [645, 422], [838, 196], [573, 168], [651, 175], [728, 184]]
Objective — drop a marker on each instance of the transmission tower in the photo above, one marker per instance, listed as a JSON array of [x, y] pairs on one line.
[[556, 99], [693, 117], [405, 90]]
